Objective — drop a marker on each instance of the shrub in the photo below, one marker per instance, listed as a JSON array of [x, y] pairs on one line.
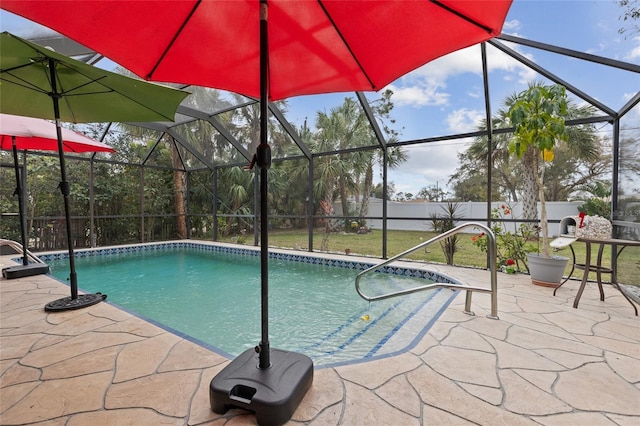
[[512, 247]]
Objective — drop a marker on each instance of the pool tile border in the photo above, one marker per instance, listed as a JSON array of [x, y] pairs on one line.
[[243, 251]]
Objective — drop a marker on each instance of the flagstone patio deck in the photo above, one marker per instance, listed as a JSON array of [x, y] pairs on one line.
[[542, 363]]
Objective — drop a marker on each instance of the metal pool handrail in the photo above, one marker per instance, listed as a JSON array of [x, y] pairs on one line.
[[491, 248]]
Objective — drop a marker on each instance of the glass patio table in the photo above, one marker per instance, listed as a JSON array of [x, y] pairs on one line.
[[598, 267]]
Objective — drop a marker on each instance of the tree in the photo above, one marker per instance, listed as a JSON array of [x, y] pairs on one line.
[[180, 190], [43, 200], [382, 108], [585, 154], [376, 191], [351, 173], [245, 126], [235, 189], [629, 153], [538, 116], [342, 128], [395, 157], [631, 16], [598, 199], [586, 166], [403, 196], [432, 193], [166, 152], [473, 164], [294, 174]]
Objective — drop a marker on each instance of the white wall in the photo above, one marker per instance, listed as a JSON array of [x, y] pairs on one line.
[[467, 210]]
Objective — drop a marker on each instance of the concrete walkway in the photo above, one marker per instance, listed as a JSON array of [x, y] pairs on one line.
[[542, 363]]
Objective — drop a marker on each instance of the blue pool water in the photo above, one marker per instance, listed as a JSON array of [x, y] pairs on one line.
[[212, 295]]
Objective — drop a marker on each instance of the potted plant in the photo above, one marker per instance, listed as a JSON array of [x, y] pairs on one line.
[[537, 116]]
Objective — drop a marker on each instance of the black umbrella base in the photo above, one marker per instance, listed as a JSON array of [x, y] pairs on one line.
[[273, 393], [20, 271], [67, 303]]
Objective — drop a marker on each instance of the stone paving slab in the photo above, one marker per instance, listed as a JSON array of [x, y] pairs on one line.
[[542, 363]]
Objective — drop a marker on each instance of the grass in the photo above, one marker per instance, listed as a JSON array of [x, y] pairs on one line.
[[467, 255]]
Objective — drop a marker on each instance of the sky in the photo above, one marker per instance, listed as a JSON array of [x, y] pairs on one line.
[[446, 96]]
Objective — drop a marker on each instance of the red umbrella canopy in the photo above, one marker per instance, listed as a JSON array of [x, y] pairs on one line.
[[37, 134], [315, 46]]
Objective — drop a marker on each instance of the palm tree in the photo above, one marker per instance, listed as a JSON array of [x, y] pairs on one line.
[[294, 175], [516, 179], [351, 173], [506, 177], [235, 190], [344, 127], [395, 156], [246, 125]]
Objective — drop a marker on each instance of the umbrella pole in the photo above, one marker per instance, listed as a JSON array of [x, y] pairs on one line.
[[263, 160], [74, 302], [274, 389], [64, 186], [264, 349], [23, 230], [26, 269]]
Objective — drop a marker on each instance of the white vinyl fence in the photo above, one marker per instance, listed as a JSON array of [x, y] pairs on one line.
[[419, 214]]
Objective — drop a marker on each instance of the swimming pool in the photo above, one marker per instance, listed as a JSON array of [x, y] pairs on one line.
[[210, 294]]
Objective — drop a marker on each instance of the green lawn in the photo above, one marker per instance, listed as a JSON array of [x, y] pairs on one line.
[[467, 255]]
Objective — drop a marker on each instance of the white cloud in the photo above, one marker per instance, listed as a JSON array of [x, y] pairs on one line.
[[526, 75], [427, 85], [475, 92], [426, 92], [459, 62], [427, 165], [464, 120], [634, 53], [602, 47], [511, 26], [498, 60], [603, 27]]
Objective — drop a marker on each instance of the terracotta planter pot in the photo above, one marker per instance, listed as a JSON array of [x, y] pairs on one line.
[[546, 271]]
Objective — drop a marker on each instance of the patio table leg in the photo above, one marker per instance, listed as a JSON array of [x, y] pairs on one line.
[[599, 272], [585, 276], [573, 267], [614, 279]]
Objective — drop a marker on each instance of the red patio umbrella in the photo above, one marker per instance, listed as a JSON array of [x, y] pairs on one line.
[[19, 133], [272, 49], [315, 46], [27, 133]]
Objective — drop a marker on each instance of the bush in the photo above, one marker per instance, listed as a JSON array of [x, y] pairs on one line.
[[512, 248], [443, 223]]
